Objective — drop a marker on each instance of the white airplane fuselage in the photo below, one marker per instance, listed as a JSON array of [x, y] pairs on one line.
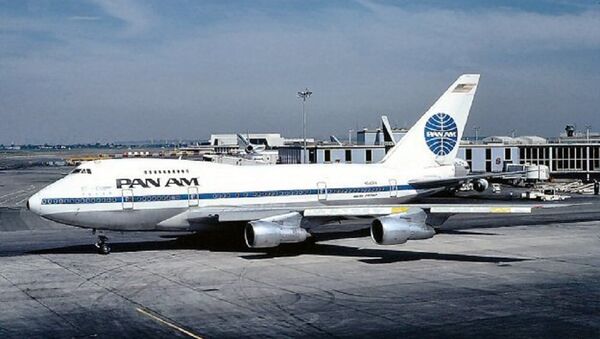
[[140, 194], [278, 203]]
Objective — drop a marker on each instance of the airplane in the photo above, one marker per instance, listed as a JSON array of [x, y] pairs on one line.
[[281, 203], [250, 148], [388, 135], [335, 140]]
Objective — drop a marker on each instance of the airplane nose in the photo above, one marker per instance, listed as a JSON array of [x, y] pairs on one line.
[[34, 204]]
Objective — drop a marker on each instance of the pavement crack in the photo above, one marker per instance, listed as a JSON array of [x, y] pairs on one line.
[[26, 292]]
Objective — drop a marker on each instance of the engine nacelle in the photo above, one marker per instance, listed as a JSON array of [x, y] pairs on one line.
[[461, 167], [251, 148], [265, 234], [480, 185], [396, 229]]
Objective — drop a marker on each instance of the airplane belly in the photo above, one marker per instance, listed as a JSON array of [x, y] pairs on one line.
[[123, 220]]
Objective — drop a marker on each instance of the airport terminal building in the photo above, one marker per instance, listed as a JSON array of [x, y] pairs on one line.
[[571, 155]]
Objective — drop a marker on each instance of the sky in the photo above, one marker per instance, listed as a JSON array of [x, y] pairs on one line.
[[109, 70]]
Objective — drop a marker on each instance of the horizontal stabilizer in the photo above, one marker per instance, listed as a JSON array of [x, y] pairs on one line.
[[454, 181]]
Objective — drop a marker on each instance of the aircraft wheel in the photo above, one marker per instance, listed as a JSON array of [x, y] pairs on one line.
[[102, 245], [103, 249]]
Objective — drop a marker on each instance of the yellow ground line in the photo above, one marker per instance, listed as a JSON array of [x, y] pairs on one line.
[[163, 321]]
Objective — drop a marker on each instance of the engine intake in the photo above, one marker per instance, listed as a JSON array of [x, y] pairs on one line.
[[396, 229], [265, 234], [480, 185]]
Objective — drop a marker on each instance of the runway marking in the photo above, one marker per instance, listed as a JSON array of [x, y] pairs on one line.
[[163, 321]]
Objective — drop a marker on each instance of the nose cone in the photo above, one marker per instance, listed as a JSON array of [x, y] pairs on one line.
[[34, 204]]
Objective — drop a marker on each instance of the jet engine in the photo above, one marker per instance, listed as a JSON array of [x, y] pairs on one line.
[[480, 185], [271, 232], [254, 149], [399, 228]]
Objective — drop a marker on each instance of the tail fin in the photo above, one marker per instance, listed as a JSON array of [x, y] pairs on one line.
[[388, 134], [433, 141], [242, 140]]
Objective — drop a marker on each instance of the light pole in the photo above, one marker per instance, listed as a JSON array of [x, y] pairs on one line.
[[350, 136], [304, 95], [587, 133], [476, 128]]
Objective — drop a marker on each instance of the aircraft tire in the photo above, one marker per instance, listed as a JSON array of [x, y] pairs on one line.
[[103, 249]]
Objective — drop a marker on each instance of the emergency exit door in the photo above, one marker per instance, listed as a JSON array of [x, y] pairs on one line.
[[393, 188], [193, 196], [322, 190], [127, 199]]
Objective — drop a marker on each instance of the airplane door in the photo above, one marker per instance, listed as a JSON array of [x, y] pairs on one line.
[[193, 196], [393, 188], [322, 190], [127, 199]]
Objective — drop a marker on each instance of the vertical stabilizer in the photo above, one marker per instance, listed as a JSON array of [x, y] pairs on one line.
[[433, 141], [388, 135]]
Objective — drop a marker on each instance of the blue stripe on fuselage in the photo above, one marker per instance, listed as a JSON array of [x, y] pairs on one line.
[[225, 195]]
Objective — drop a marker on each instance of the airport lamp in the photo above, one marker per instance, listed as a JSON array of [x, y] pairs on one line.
[[304, 95], [587, 133]]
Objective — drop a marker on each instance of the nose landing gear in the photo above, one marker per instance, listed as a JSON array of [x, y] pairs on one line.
[[102, 244]]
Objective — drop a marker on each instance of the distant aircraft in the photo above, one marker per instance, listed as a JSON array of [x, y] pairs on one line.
[[249, 147], [282, 203], [388, 134], [335, 140]]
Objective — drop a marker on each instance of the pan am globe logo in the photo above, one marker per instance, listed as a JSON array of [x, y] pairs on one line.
[[441, 134]]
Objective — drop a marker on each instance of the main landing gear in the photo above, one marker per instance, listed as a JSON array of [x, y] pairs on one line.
[[102, 244]]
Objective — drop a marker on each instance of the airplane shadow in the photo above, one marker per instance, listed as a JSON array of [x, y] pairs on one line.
[[171, 242], [462, 232], [377, 256], [222, 243]]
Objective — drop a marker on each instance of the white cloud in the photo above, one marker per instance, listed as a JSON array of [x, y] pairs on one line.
[[137, 18], [84, 18], [242, 72]]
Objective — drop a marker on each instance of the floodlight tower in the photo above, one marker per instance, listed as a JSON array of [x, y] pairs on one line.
[[587, 133], [304, 95], [476, 128]]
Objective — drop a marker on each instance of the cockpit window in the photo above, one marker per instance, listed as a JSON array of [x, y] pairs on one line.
[[82, 171]]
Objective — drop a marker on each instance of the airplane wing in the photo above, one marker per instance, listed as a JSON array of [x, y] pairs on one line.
[[435, 183], [238, 214]]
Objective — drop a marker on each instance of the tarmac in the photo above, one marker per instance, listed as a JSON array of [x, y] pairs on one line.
[[482, 276]]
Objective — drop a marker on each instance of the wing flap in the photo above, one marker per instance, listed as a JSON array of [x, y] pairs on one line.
[[234, 214], [481, 209], [333, 211]]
